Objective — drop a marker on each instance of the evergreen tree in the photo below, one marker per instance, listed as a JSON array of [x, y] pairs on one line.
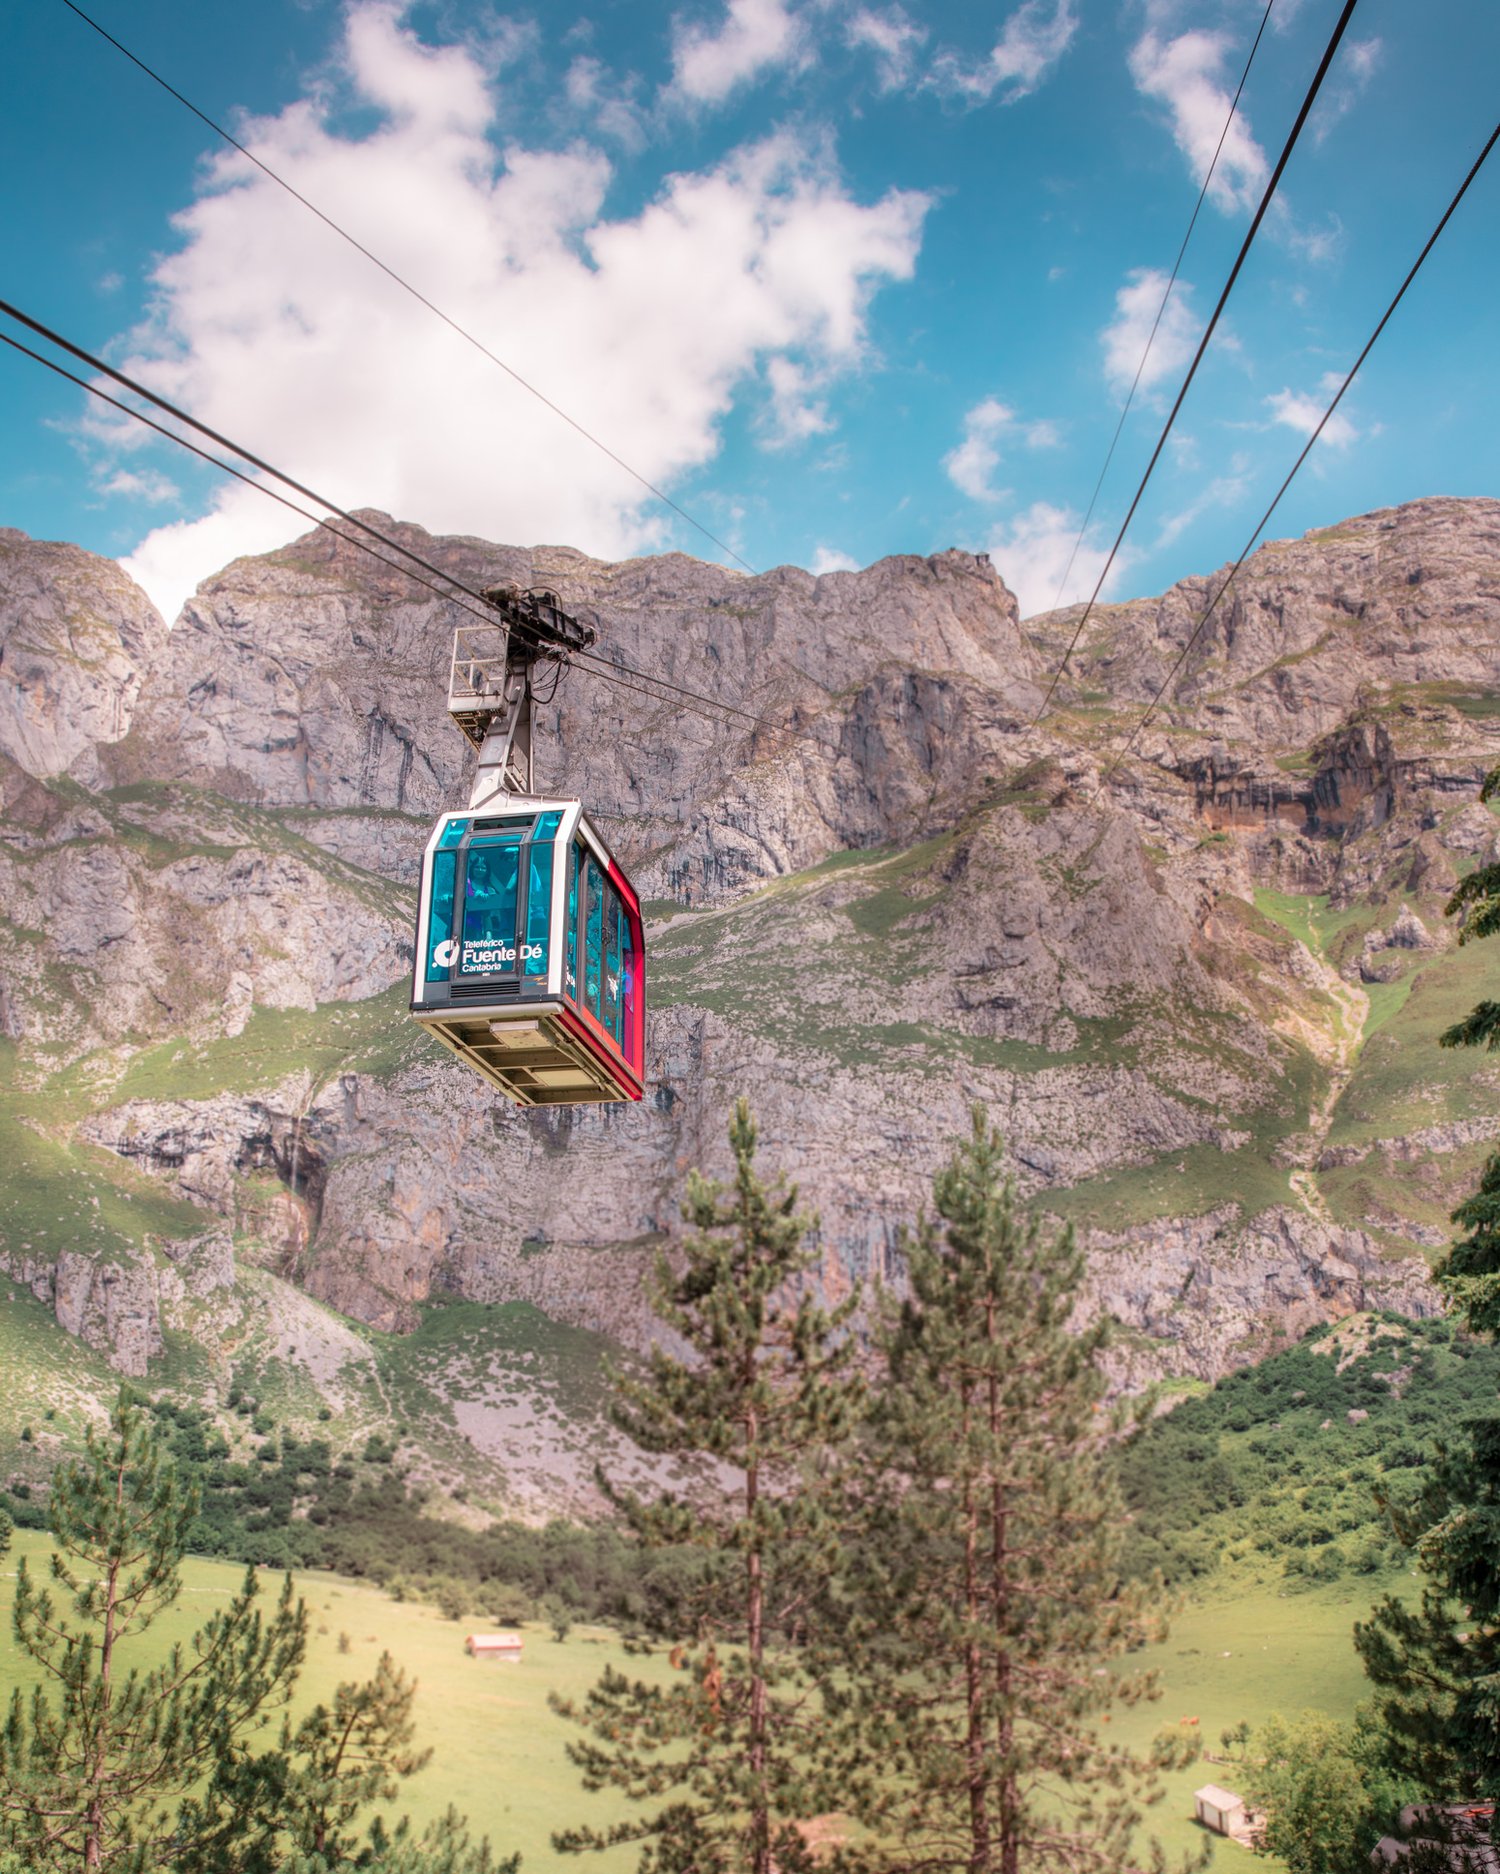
[[349, 1755], [92, 1767], [1437, 1666], [989, 1596], [729, 1750], [443, 1847], [1471, 1271], [295, 1807]]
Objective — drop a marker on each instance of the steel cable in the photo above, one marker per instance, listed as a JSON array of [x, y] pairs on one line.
[[1234, 274]]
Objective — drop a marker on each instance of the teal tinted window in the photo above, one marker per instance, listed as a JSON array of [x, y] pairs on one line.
[[538, 908], [547, 825], [593, 947], [491, 879], [629, 990], [611, 1012], [453, 832], [570, 958], [440, 916]]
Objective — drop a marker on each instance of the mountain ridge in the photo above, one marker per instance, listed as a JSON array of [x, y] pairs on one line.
[[1201, 1002]]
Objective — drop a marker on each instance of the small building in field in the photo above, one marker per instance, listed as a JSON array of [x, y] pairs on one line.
[[493, 1646], [1219, 1809]]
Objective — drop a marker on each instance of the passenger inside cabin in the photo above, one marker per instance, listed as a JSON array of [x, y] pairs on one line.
[[490, 895]]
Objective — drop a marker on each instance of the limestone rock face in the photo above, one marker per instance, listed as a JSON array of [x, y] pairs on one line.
[[75, 636], [314, 678], [1195, 972], [113, 1307]]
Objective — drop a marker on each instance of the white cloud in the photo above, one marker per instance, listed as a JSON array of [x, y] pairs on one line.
[[1317, 245], [608, 111], [1361, 57], [1126, 336], [976, 458], [970, 466], [796, 411], [892, 36], [1031, 42], [1302, 411], [1034, 554], [1358, 62], [646, 328], [755, 35], [1184, 73], [149, 486], [830, 560], [1223, 492]]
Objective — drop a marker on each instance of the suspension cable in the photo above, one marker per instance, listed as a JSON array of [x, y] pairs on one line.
[[1109, 454], [1323, 421], [1234, 273]]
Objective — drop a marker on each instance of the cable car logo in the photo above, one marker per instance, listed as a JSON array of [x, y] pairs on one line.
[[480, 957], [446, 954]]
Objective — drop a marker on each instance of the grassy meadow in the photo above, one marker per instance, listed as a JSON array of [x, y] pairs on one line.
[[499, 1754]]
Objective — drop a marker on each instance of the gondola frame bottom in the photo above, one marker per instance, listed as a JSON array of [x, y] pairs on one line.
[[538, 1053]]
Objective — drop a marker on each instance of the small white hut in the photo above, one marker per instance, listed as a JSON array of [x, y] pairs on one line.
[[493, 1646], [1219, 1809]]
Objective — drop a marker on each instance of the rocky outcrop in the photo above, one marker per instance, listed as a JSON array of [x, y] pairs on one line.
[[112, 1307], [1219, 1290], [76, 635], [1401, 600]]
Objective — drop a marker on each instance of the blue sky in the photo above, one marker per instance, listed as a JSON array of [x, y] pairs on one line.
[[847, 277]]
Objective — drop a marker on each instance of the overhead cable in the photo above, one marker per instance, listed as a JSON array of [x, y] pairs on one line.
[[605, 667], [1234, 273], [1323, 422], [1109, 454], [406, 286]]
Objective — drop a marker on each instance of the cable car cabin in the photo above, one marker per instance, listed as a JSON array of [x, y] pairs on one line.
[[530, 959]]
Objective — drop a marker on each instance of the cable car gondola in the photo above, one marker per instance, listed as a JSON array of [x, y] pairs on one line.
[[530, 955]]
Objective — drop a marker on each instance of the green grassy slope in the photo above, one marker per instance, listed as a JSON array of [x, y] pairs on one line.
[[500, 1752]]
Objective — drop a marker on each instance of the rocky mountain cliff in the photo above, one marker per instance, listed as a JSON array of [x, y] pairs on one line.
[[1198, 989]]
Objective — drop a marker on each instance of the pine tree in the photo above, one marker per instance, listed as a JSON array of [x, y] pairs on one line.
[[729, 1749], [1436, 1666], [93, 1766], [989, 1598], [348, 1755], [1471, 1271]]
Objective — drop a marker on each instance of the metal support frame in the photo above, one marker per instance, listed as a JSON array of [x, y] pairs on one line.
[[490, 696]]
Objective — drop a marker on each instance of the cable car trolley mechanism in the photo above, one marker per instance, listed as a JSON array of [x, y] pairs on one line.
[[530, 958]]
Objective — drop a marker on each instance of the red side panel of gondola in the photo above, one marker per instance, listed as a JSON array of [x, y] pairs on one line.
[[636, 1046]]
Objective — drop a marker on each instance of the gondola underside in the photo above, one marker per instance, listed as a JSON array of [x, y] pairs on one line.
[[540, 1054]]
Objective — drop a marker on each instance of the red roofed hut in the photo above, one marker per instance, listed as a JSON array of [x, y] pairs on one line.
[[493, 1646]]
